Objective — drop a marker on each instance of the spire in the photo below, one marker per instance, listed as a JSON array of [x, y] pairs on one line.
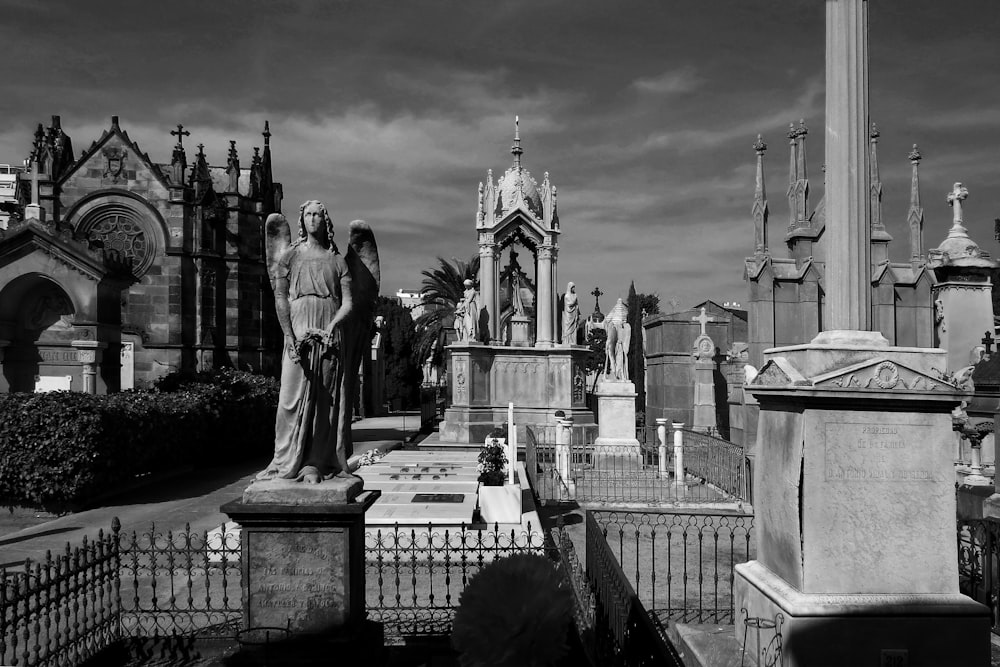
[[759, 208], [255, 192], [266, 178], [516, 148], [915, 216], [800, 132], [802, 184], [879, 237], [793, 174], [233, 168], [201, 179]]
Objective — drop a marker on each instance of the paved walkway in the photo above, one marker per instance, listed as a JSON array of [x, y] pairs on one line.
[[193, 498]]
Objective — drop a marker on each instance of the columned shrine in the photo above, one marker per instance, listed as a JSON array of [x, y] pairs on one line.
[[517, 355], [855, 484]]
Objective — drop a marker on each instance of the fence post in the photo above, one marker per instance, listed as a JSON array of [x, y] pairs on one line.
[[661, 436], [678, 453], [564, 426]]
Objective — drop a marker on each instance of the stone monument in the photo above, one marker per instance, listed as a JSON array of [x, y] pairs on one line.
[[854, 489], [303, 517], [963, 294], [704, 377], [533, 371], [615, 393]]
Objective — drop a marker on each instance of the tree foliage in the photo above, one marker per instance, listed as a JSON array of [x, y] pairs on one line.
[[399, 337], [648, 303], [441, 291]]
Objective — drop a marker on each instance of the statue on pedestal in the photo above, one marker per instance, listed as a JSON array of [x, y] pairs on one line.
[[325, 303], [616, 348], [571, 315], [467, 314]]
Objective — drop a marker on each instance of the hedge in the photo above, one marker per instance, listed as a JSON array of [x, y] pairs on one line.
[[59, 450]]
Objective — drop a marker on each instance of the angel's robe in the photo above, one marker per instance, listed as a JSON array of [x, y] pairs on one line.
[[310, 401]]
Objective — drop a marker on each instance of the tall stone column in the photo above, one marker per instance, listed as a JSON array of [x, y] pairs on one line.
[[544, 307], [848, 214], [487, 284]]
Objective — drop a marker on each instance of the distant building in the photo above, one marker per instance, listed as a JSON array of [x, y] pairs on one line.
[[116, 269], [411, 300]]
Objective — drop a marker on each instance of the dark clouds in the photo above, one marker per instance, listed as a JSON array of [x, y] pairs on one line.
[[642, 112]]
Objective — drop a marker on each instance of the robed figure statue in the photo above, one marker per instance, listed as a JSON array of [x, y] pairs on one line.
[[325, 302]]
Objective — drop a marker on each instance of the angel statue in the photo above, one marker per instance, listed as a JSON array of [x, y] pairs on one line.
[[616, 348], [325, 302]]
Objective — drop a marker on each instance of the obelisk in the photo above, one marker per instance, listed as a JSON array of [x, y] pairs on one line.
[[854, 483]]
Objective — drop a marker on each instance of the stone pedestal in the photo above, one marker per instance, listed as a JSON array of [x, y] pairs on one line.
[[303, 557], [520, 331], [854, 495], [485, 379], [616, 419]]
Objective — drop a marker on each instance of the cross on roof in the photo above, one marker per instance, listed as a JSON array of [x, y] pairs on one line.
[[988, 341], [958, 193], [597, 295], [180, 133], [703, 319]]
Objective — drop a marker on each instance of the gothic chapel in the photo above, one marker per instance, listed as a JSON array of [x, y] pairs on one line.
[[117, 269]]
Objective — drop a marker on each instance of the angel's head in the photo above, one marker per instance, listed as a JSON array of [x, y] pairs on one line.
[[315, 219], [571, 287]]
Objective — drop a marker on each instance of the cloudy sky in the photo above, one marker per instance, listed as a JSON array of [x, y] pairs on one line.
[[642, 112]]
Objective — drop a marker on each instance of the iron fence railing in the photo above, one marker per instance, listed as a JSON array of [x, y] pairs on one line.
[[979, 564], [614, 473], [680, 563], [62, 610], [414, 578], [625, 633], [182, 582], [719, 462]]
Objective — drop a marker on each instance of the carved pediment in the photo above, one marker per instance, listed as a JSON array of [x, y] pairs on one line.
[[882, 375], [778, 372]]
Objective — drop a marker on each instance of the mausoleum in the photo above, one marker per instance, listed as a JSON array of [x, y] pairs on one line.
[[118, 269]]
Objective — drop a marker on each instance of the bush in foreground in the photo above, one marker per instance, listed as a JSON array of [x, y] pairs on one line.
[[61, 449]]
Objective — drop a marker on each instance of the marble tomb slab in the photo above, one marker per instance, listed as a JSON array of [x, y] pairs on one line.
[[393, 486], [438, 513]]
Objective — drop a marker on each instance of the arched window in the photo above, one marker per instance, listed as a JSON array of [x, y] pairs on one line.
[[121, 229]]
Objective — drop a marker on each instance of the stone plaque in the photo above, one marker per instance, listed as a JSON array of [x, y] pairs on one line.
[[438, 498], [878, 452], [297, 577], [44, 383]]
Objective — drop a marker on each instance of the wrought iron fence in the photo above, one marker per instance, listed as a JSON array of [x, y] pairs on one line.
[[680, 564], [180, 582], [979, 564], [414, 578], [719, 462], [604, 473], [64, 609], [625, 633]]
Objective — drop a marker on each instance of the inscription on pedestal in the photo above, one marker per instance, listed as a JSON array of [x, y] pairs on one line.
[[296, 576], [876, 453]]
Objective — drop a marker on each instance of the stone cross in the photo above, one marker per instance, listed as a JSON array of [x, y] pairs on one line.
[[957, 195], [597, 295], [180, 133], [703, 319], [988, 341]]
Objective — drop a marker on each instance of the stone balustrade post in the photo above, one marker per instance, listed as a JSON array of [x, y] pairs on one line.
[[88, 354], [661, 436], [678, 452], [564, 430]]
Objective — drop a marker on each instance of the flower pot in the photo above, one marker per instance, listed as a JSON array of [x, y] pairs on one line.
[[500, 504]]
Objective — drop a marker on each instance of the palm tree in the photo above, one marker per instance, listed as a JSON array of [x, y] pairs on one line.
[[441, 291]]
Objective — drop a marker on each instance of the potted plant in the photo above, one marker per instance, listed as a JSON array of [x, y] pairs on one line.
[[499, 502]]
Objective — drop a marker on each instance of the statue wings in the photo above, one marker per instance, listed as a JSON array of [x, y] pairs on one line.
[[277, 238]]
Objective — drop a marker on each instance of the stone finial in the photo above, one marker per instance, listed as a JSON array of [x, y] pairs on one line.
[[267, 134], [232, 150], [516, 150], [759, 146], [801, 130], [958, 194], [874, 134], [915, 155]]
